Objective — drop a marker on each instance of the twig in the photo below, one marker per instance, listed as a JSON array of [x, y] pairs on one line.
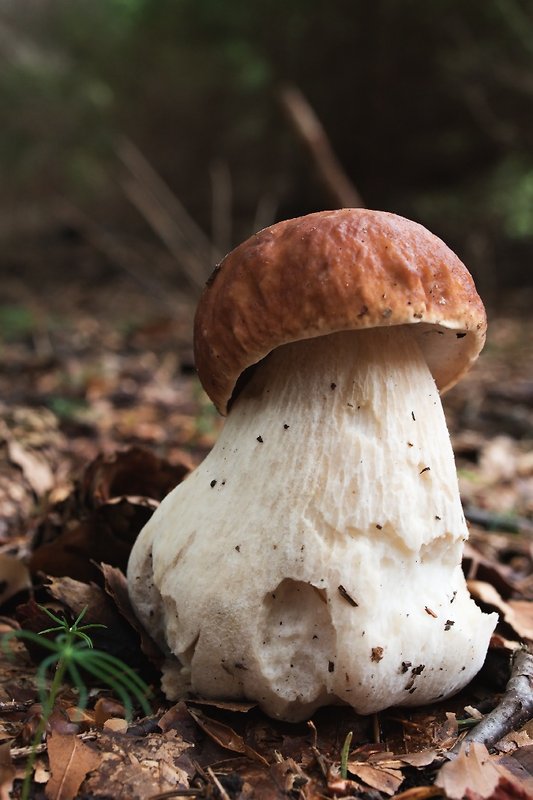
[[165, 213], [517, 21], [121, 256], [376, 728], [23, 52], [193, 268], [221, 191], [223, 793], [514, 709], [23, 752], [312, 134], [140, 167], [265, 213], [10, 706], [177, 793]]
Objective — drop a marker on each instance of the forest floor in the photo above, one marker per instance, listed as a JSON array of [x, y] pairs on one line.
[[101, 415]]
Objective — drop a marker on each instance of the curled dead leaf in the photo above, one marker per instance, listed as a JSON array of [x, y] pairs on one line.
[[131, 473], [81, 716], [116, 586], [225, 736], [101, 518], [104, 534], [106, 708], [477, 567], [520, 617], [517, 613]]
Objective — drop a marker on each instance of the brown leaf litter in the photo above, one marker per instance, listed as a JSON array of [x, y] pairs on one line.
[[80, 532]]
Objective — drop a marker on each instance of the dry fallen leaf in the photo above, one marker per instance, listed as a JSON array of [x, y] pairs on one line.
[[387, 781], [7, 772], [478, 567], [34, 467], [116, 724], [472, 773], [101, 518], [513, 740], [14, 577], [132, 473], [419, 793], [116, 587], [80, 716], [136, 768], [427, 729], [499, 459], [343, 787], [520, 765], [41, 773], [60, 723], [105, 708], [140, 394], [421, 759], [70, 761], [117, 637], [225, 736], [517, 613], [520, 617], [106, 534]]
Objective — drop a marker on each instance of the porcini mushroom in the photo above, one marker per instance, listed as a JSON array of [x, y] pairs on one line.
[[314, 557]]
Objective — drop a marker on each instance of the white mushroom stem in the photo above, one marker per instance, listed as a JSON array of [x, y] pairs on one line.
[[315, 555]]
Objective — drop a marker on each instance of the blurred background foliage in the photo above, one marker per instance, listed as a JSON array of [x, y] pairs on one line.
[[427, 105]]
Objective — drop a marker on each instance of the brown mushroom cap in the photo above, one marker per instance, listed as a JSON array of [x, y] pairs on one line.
[[331, 271]]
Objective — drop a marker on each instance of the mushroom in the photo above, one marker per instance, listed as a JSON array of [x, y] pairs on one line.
[[314, 557]]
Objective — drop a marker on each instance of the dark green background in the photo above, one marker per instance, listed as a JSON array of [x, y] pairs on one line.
[[428, 105]]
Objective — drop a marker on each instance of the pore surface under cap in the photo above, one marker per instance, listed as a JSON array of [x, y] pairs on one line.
[[338, 270]]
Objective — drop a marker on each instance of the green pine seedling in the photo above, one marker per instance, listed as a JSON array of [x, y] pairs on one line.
[[345, 753], [71, 651]]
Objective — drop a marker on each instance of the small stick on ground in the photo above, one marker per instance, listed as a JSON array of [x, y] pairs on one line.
[[11, 706], [24, 752], [514, 709], [222, 792]]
